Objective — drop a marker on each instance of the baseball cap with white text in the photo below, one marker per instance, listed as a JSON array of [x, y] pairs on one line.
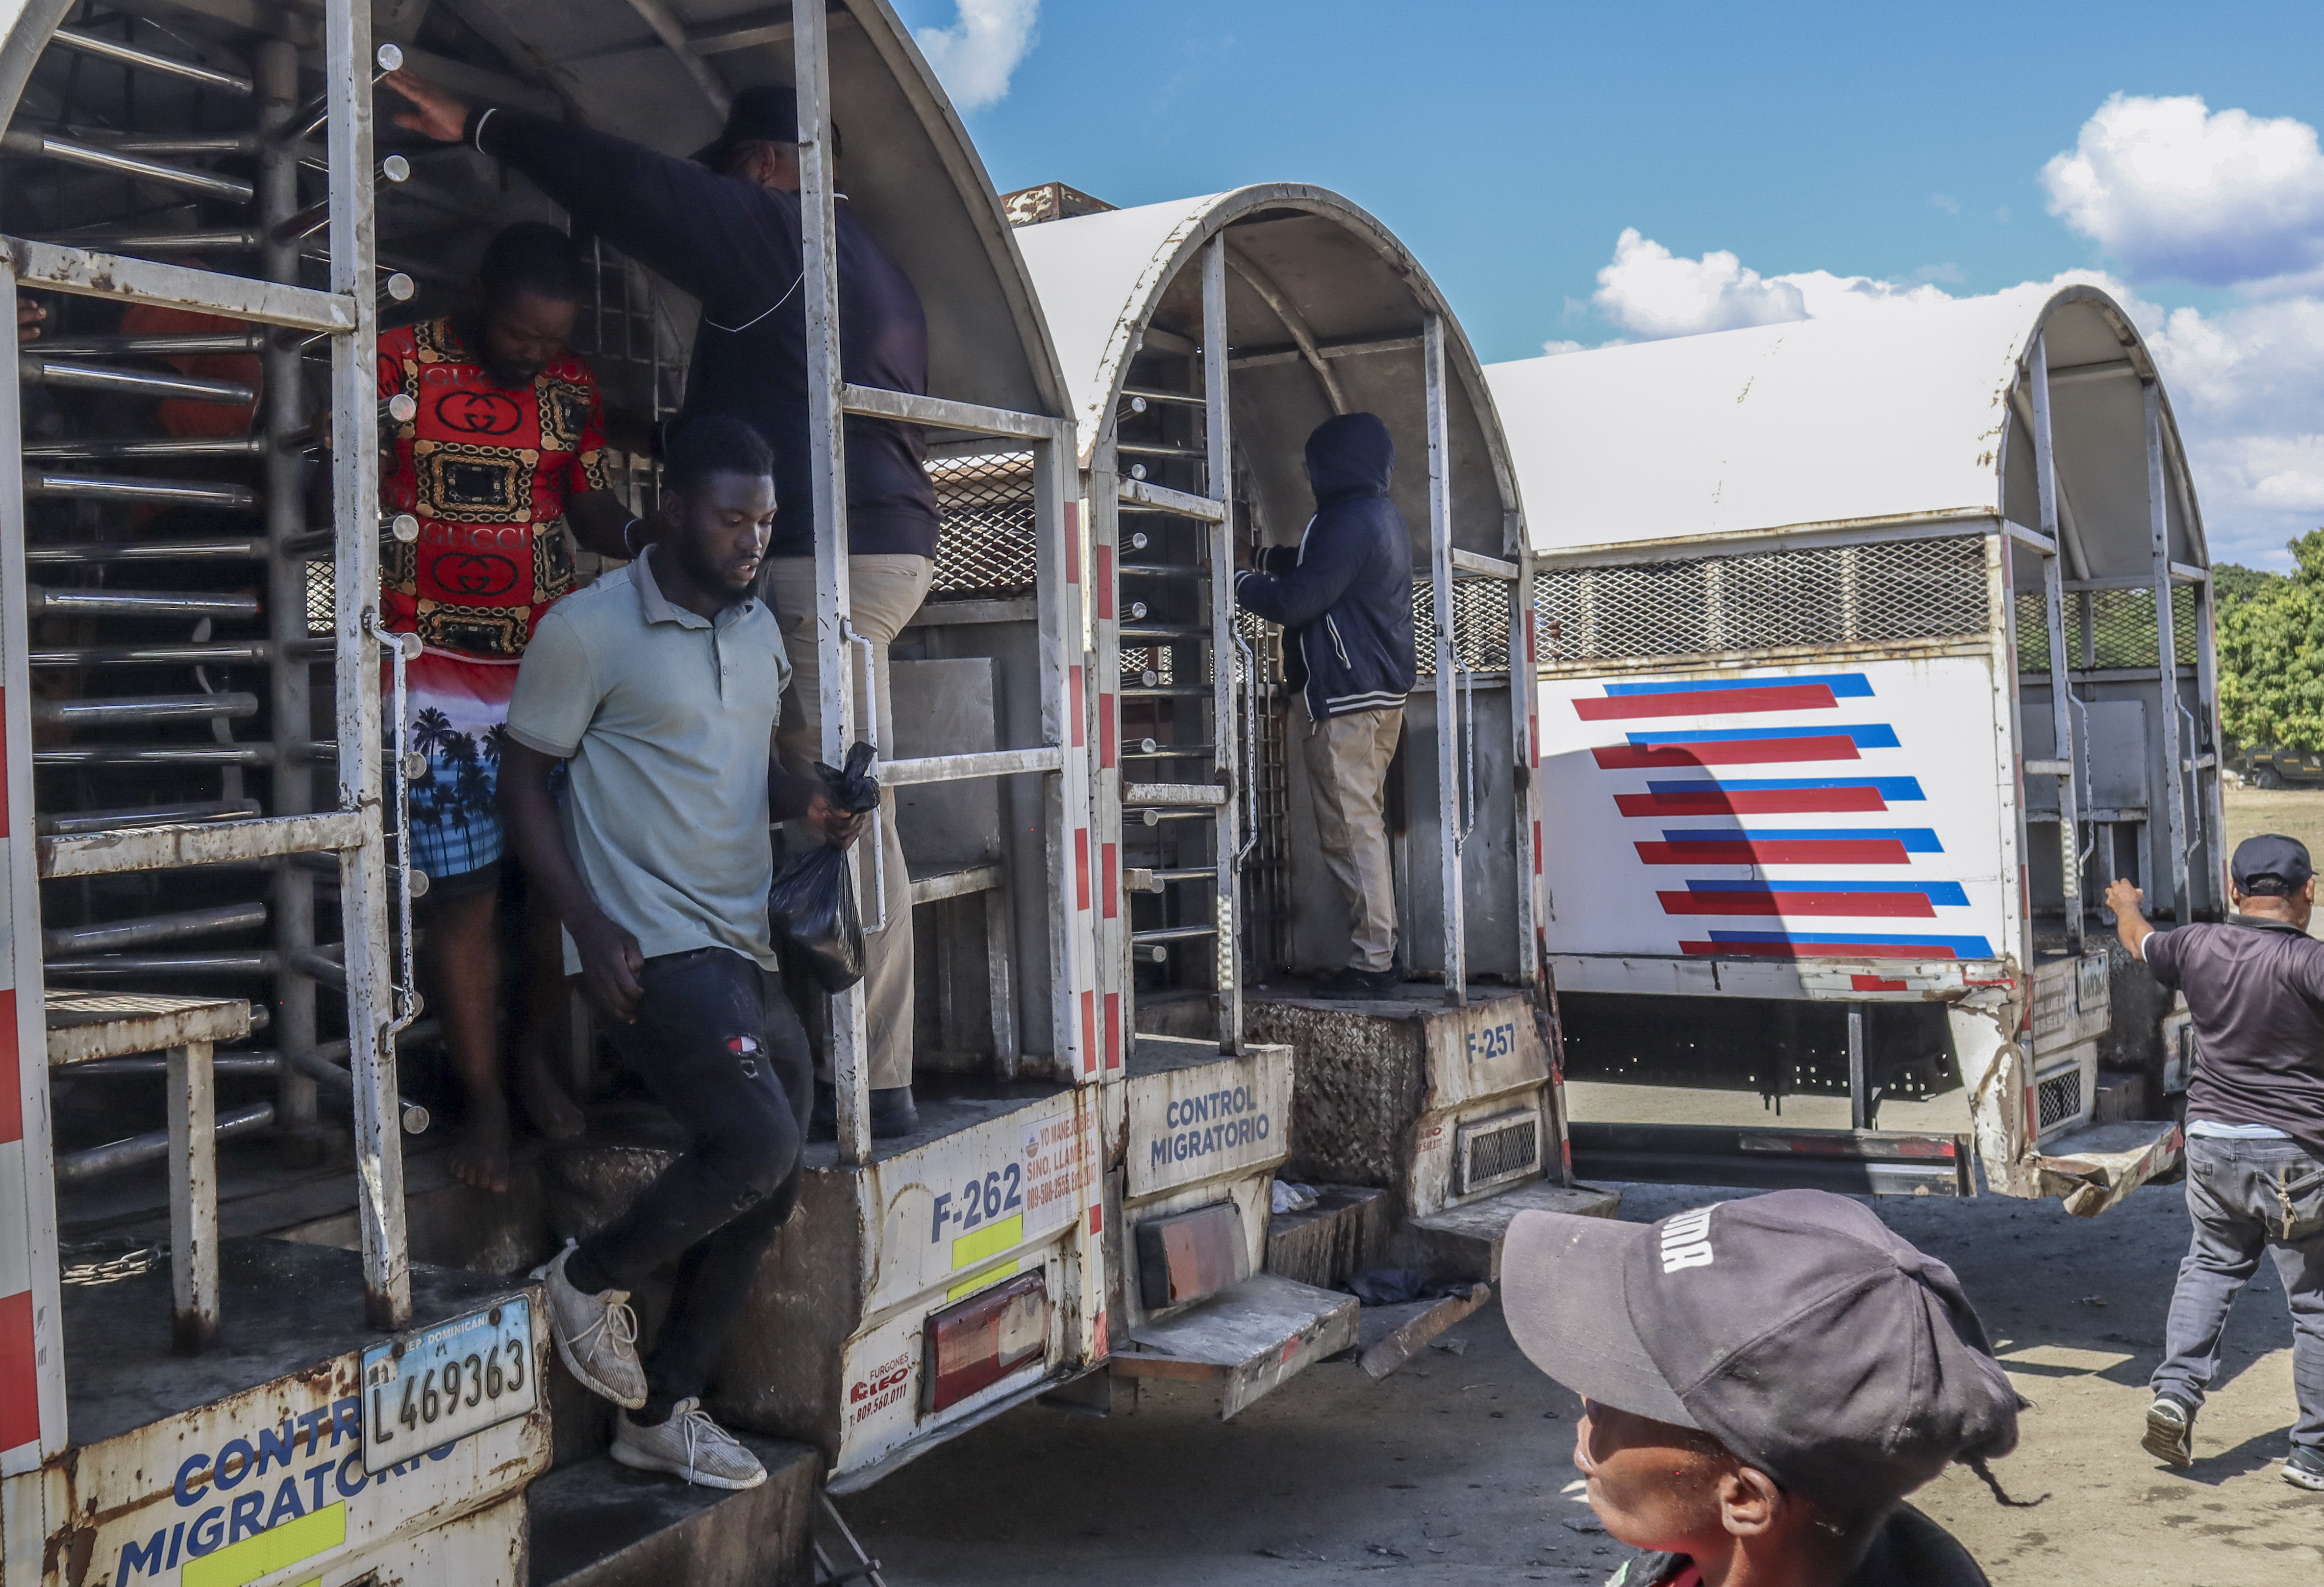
[[1797, 1329]]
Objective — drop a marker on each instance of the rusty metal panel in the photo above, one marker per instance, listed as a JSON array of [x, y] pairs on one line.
[[85, 1026], [257, 1481], [1225, 1117], [199, 843]]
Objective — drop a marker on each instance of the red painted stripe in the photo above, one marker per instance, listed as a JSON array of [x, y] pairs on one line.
[[1785, 901], [1876, 983], [1708, 702], [1536, 848], [1105, 718], [1113, 1031], [1105, 583], [1741, 751], [1875, 851], [1111, 855], [1089, 1030], [1812, 950], [1080, 863], [1097, 1226], [1080, 737], [1751, 801], [12, 1096], [20, 1373]]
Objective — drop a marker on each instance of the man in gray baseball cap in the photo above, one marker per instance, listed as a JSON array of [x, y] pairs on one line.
[[1765, 1381]]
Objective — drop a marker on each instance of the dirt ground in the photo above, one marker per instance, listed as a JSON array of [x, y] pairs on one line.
[[2294, 812], [1457, 1469]]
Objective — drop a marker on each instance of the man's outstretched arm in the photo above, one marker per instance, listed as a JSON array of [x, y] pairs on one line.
[[2130, 924]]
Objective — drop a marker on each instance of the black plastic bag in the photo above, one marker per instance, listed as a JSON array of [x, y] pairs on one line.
[[811, 906]]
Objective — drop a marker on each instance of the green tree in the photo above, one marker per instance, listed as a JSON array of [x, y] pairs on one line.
[[2272, 649]]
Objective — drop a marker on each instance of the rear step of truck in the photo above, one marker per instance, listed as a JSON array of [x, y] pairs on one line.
[[1465, 1241], [596, 1524]]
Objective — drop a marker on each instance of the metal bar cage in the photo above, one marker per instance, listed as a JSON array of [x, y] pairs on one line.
[[168, 679]]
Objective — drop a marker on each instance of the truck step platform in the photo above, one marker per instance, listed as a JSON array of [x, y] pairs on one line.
[[1345, 1233], [1246, 1339], [1390, 1336], [1465, 1241], [596, 1524]]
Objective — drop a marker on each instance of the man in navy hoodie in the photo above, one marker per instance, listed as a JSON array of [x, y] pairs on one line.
[[724, 225], [1344, 597]]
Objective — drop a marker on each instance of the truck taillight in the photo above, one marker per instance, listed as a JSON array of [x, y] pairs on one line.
[[978, 1343]]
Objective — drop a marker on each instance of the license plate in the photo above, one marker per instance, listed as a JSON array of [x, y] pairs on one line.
[[429, 1389]]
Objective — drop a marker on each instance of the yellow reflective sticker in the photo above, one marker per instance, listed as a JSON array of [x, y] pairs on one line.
[[989, 1240], [269, 1552], [968, 1286]]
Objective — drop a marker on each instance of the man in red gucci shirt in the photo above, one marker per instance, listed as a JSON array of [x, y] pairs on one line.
[[505, 447]]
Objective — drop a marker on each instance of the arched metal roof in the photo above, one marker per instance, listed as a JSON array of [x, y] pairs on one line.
[[661, 71], [1313, 280], [1906, 414]]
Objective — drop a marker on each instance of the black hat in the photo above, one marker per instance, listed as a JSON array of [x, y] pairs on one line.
[[765, 114], [1796, 1328], [2271, 865]]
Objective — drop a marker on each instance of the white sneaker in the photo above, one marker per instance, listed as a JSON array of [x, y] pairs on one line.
[[596, 1334], [689, 1445]]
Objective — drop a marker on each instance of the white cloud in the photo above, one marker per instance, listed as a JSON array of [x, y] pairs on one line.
[[1651, 292], [976, 56], [2175, 191], [2246, 383]]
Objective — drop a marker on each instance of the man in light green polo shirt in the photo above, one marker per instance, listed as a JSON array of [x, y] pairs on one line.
[[658, 689]]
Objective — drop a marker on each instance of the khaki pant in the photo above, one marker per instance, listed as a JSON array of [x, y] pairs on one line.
[[1347, 772], [884, 591]]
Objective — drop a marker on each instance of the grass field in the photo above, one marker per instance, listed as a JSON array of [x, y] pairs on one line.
[[2294, 812]]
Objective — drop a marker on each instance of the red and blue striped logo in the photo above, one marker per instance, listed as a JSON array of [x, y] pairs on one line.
[[1707, 797]]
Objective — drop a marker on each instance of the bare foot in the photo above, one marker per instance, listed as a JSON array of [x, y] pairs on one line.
[[482, 1157], [547, 1103]]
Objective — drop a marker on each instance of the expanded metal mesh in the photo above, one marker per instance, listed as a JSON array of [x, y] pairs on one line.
[[989, 544], [322, 596], [1503, 1153], [2059, 1098], [2033, 630], [1776, 600], [1139, 661], [1480, 624], [2106, 629]]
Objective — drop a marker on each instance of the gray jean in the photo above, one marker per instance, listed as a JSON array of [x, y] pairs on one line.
[[2243, 1197]]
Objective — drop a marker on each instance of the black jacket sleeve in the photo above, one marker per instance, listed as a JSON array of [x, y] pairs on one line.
[[1327, 564], [734, 246]]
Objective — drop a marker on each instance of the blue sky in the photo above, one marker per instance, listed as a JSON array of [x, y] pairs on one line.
[[1512, 144]]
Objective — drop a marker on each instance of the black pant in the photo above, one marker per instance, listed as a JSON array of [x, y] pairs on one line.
[[722, 1049]]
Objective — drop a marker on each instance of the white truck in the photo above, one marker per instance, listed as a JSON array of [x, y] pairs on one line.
[[1873, 648]]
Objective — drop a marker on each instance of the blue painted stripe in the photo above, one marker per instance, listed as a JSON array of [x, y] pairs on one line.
[[1917, 840], [1844, 686], [1891, 788], [1872, 736], [1966, 947], [1941, 893]]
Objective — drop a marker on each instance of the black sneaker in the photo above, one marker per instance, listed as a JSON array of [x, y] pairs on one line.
[[1354, 985], [2171, 1435], [893, 1113], [2304, 1468]]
